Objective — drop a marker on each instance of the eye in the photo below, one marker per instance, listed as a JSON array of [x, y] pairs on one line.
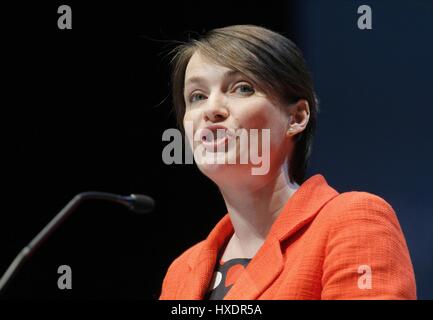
[[196, 97], [245, 89]]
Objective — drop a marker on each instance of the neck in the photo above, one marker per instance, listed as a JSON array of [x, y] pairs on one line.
[[253, 209]]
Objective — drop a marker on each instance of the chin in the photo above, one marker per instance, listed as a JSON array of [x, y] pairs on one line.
[[226, 173]]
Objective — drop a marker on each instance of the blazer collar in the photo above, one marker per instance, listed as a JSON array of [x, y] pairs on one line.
[[300, 209]]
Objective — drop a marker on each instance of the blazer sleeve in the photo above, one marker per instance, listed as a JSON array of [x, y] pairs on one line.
[[366, 256]]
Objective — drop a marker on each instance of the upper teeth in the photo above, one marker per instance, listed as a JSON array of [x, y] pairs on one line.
[[214, 134]]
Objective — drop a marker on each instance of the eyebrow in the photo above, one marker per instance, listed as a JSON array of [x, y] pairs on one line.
[[197, 79]]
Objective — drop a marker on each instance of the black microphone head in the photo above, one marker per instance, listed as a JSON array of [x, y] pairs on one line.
[[141, 203]]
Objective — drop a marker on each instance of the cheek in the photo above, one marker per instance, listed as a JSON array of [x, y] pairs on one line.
[[252, 116], [187, 118], [187, 122], [263, 115], [191, 121]]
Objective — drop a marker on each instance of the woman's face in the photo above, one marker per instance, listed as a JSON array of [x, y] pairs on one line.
[[218, 98]]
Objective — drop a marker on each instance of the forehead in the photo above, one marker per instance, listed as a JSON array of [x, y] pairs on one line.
[[201, 66]]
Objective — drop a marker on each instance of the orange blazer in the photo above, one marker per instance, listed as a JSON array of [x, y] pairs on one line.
[[323, 245]]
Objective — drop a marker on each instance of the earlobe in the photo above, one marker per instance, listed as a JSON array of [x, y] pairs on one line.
[[290, 129]]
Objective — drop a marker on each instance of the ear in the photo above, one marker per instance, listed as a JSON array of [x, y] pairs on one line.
[[299, 115]]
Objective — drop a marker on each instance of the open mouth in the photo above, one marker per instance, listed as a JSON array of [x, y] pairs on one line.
[[215, 138]]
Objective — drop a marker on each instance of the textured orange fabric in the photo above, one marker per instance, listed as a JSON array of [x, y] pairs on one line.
[[233, 274], [323, 245]]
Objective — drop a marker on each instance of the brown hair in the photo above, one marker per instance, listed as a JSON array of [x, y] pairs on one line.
[[269, 59]]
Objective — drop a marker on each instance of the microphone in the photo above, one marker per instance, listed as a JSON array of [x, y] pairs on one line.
[[136, 202]]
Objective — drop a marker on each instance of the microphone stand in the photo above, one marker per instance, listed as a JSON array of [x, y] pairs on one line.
[[135, 202]]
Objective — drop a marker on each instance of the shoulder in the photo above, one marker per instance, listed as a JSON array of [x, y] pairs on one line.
[[359, 216], [360, 199], [364, 237], [359, 206]]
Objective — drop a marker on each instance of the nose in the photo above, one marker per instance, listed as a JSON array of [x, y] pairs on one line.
[[216, 110]]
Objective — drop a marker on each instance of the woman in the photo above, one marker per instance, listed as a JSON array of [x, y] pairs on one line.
[[284, 236]]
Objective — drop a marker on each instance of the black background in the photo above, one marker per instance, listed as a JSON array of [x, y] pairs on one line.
[[84, 109]]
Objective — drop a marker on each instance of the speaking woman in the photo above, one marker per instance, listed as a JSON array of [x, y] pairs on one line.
[[284, 236]]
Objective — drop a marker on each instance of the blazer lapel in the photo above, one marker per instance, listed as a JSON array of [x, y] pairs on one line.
[[202, 261], [262, 270], [197, 281], [303, 206]]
